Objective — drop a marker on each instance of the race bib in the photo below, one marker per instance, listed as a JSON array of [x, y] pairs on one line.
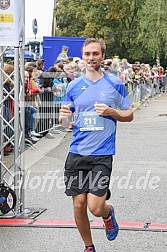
[[91, 121]]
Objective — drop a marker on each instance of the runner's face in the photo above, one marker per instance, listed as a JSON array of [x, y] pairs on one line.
[[92, 56]]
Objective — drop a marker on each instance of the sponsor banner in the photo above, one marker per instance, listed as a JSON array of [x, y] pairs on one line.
[[11, 22]]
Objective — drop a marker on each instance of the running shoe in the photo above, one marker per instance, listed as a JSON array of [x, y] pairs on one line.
[[89, 249], [111, 225], [35, 134]]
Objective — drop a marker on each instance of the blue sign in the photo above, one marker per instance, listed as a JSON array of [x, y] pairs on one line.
[[34, 27]]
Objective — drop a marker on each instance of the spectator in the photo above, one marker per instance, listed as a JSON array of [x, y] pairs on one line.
[[113, 69], [33, 86], [126, 64], [75, 70], [40, 64], [46, 79], [63, 55], [30, 112], [59, 89], [9, 70], [154, 74], [81, 66]]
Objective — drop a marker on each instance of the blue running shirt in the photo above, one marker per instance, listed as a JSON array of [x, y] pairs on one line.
[[94, 134]]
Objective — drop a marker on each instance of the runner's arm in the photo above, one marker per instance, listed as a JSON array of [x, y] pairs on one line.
[[120, 115]]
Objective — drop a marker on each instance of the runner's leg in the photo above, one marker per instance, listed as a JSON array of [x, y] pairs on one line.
[[97, 205], [81, 217]]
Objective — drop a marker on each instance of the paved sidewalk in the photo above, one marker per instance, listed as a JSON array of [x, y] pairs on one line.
[[138, 185]]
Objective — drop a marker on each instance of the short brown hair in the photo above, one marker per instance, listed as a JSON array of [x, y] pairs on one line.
[[94, 40], [8, 68], [40, 62]]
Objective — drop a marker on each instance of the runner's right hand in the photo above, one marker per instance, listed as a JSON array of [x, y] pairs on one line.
[[64, 112]]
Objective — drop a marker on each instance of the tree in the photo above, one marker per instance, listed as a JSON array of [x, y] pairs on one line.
[[67, 21], [153, 30], [131, 28]]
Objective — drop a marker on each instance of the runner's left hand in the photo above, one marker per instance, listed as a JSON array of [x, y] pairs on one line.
[[102, 109]]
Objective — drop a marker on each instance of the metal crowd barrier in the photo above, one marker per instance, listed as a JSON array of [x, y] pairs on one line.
[[140, 91], [47, 114]]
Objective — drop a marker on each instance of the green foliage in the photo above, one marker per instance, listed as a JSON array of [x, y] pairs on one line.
[[131, 28], [153, 32]]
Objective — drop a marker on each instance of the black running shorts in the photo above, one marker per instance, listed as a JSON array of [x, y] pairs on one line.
[[87, 174]]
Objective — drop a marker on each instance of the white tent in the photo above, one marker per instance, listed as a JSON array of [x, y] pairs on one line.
[[42, 10]]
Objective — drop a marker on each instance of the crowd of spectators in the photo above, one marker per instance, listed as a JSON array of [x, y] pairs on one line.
[[56, 79]]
